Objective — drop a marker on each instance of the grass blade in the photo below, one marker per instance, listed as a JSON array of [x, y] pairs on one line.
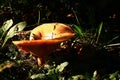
[[116, 37], [99, 31], [76, 17], [78, 30]]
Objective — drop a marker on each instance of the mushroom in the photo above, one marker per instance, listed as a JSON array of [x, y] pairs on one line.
[[44, 39]]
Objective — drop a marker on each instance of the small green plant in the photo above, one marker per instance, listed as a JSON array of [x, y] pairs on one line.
[[6, 25], [52, 73], [114, 76], [87, 36], [7, 31]]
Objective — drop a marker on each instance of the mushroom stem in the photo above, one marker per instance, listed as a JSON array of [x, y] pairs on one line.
[[40, 61]]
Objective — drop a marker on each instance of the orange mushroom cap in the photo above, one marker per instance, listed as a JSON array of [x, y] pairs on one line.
[[52, 31], [44, 39]]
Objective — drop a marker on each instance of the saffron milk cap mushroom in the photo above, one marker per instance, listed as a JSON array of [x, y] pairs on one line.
[[44, 39]]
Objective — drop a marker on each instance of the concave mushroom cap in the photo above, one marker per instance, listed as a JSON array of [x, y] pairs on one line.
[[52, 31], [45, 38]]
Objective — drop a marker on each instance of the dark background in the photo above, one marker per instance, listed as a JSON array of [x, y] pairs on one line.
[[89, 12]]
